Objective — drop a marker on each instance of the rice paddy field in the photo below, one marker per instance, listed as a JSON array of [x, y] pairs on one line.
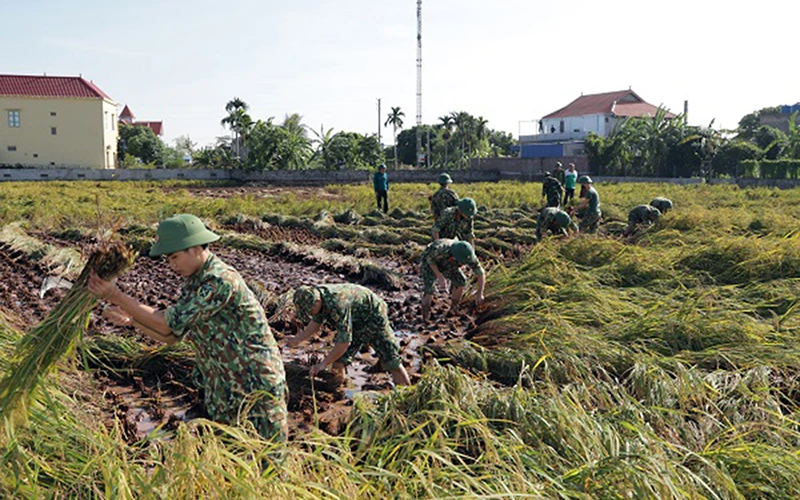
[[665, 365]]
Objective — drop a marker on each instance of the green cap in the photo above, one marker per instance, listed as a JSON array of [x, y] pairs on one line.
[[463, 252], [562, 219], [546, 173], [180, 232], [304, 299], [585, 179], [662, 204], [558, 164], [382, 166], [445, 179], [467, 207], [654, 213]]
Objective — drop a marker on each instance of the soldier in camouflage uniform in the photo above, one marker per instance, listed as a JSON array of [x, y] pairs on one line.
[[237, 356], [662, 204], [643, 214], [554, 220], [559, 173], [589, 208], [441, 261], [552, 190], [444, 197], [359, 317], [457, 222]]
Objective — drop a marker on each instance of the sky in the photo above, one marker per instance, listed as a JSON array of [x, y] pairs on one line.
[[510, 61]]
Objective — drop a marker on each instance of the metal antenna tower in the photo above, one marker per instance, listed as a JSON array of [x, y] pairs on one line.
[[419, 81]]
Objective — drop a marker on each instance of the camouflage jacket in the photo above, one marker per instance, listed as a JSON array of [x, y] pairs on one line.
[[236, 352], [641, 214], [441, 199], [350, 310], [438, 253], [594, 201], [547, 222], [450, 227], [558, 174], [551, 187]]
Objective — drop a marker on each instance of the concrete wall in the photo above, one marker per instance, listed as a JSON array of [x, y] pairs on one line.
[[527, 169], [83, 137]]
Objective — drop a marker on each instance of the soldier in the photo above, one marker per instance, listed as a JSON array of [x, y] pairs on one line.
[[558, 172], [551, 189], [441, 261], [236, 355], [589, 208], [444, 197], [643, 214], [456, 222], [359, 317], [662, 204], [554, 220]]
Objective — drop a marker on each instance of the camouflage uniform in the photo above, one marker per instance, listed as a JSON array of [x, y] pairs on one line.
[[361, 318], [439, 253], [449, 227], [552, 189], [441, 199], [547, 222], [643, 214], [591, 216], [662, 204], [237, 356]]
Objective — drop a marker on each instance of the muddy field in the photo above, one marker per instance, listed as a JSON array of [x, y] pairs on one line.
[[160, 396]]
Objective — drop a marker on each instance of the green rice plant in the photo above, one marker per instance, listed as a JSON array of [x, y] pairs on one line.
[[54, 337]]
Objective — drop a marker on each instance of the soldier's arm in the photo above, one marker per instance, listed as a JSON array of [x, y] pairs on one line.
[[146, 316], [308, 331]]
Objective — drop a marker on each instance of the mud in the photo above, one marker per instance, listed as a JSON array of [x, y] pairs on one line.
[[148, 402]]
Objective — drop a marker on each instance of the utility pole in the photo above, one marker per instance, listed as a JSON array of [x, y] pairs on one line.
[[379, 123], [419, 79], [428, 159]]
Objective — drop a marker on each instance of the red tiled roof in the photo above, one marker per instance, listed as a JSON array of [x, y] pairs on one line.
[[638, 109], [607, 103], [156, 127], [50, 86], [126, 113]]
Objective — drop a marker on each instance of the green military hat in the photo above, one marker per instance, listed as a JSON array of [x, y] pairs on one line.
[[382, 166], [585, 179], [562, 219], [467, 207], [558, 164], [304, 299], [463, 252], [445, 179], [179, 233], [654, 213], [662, 204], [547, 173]]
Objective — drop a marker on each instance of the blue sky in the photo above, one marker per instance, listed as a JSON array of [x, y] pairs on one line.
[[507, 60]]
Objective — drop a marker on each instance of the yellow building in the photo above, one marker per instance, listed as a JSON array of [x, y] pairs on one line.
[[56, 121]]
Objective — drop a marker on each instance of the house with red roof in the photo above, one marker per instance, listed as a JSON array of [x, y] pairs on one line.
[[562, 132], [129, 118], [56, 121]]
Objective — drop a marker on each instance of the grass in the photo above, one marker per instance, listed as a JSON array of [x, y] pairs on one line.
[[664, 366]]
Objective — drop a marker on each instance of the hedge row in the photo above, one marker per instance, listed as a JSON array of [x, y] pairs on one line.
[[769, 169]]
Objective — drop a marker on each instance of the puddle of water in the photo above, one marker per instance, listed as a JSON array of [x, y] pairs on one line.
[[141, 409]]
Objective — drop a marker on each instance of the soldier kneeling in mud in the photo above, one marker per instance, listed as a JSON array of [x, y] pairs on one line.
[[555, 220], [441, 261], [359, 317], [641, 215]]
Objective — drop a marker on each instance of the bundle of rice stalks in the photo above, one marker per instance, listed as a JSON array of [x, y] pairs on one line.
[[38, 351]]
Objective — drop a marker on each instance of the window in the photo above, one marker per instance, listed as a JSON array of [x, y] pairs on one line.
[[53, 131], [35, 155], [52, 113], [561, 126], [13, 118], [12, 148]]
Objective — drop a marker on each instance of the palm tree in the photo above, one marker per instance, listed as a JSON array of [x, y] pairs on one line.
[[323, 141], [237, 120], [395, 119], [447, 129], [294, 124]]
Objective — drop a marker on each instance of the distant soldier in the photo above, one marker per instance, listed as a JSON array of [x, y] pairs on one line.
[[555, 220], [444, 197], [441, 261], [457, 222], [641, 215], [558, 172], [236, 355], [360, 319], [662, 204], [552, 190], [589, 208], [380, 181]]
